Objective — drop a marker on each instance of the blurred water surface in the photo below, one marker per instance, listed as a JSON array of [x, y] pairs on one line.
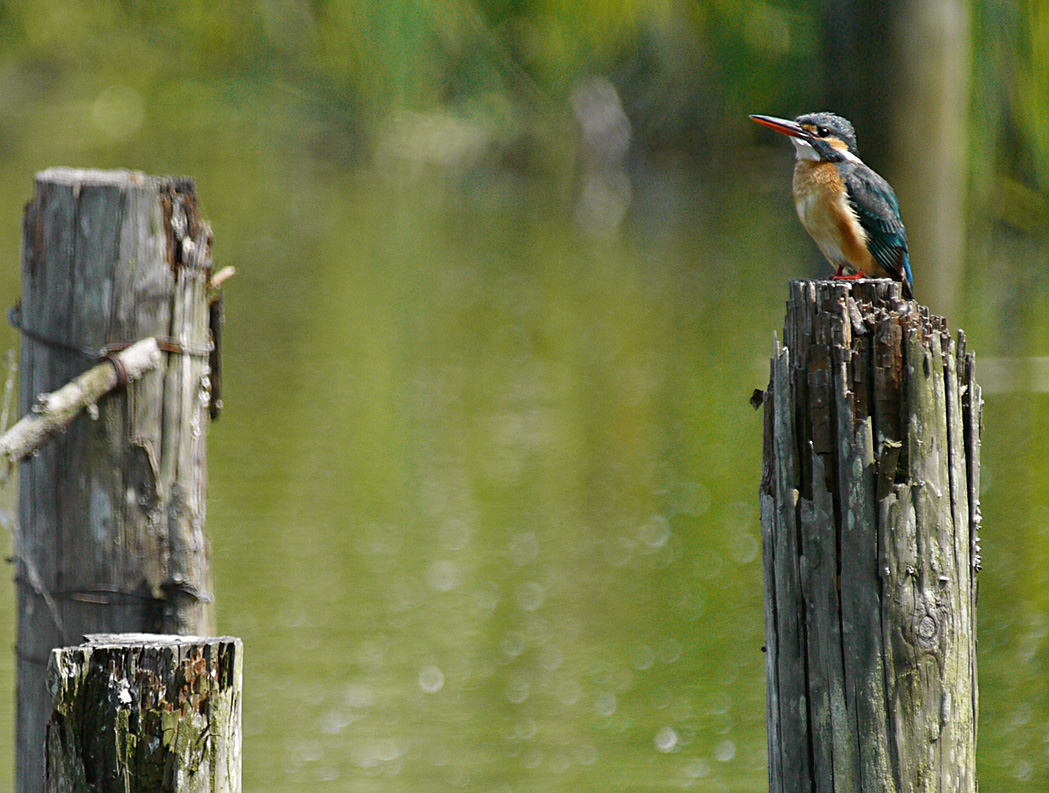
[[483, 498], [491, 477]]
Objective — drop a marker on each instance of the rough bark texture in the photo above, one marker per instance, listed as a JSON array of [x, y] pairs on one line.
[[870, 512], [111, 512], [137, 713]]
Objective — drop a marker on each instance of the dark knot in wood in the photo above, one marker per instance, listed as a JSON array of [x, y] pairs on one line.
[[928, 630]]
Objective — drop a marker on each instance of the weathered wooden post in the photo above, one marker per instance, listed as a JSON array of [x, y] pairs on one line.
[[137, 713], [870, 512], [111, 512]]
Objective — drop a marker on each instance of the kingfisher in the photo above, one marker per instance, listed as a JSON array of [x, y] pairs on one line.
[[849, 210]]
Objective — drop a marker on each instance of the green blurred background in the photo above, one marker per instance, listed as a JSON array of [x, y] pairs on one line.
[[483, 499]]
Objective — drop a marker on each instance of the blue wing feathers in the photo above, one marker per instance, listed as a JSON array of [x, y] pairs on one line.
[[878, 211]]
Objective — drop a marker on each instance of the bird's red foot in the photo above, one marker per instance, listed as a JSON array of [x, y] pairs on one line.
[[839, 277]]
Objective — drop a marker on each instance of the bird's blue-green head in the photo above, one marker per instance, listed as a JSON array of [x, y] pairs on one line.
[[816, 136]]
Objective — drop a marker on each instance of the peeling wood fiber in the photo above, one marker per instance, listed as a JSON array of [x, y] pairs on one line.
[[870, 517]]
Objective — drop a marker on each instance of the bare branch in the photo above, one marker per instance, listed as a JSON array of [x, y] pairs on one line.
[[55, 411]]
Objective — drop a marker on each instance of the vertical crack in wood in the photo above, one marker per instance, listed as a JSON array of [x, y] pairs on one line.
[[188, 241]]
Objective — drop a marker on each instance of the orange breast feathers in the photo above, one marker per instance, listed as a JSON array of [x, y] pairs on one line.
[[824, 211]]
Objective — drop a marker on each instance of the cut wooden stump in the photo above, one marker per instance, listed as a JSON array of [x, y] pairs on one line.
[[870, 512], [138, 713]]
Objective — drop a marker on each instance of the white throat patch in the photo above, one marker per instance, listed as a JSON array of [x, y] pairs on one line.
[[803, 150]]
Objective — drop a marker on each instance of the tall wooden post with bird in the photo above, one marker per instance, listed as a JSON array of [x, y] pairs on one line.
[[870, 512]]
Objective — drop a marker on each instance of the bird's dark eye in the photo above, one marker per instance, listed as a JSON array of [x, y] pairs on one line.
[[822, 131]]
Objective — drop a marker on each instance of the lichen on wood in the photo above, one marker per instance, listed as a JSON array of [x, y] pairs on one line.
[[870, 518], [138, 713]]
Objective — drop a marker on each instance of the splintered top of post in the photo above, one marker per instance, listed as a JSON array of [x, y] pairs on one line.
[[153, 640], [115, 178]]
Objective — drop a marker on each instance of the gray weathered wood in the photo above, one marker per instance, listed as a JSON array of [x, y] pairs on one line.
[[111, 512], [140, 713], [870, 513]]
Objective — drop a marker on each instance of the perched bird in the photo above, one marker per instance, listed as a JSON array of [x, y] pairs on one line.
[[849, 210]]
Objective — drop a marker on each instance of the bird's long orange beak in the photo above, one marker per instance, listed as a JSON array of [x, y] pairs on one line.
[[781, 125]]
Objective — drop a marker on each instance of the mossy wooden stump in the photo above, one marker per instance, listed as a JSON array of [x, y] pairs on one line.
[[870, 512], [142, 713]]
